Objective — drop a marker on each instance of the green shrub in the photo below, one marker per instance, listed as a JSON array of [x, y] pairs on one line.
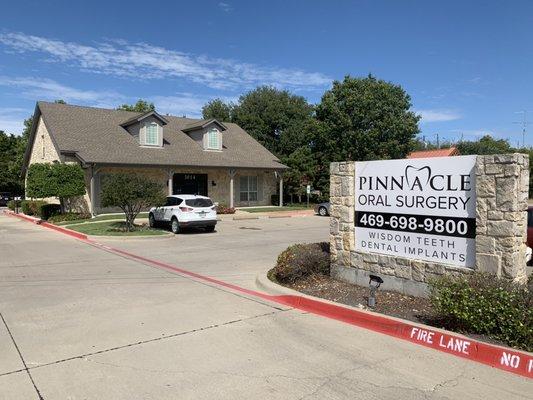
[[32, 207], [68, 217], [301, 260], [49, 210], [13, 204], [483, 304]]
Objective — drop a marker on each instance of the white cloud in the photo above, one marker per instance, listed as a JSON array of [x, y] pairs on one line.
[[226, 7], [47, 89], [436, 115], [187, 104], [145, 61], [11, 119]]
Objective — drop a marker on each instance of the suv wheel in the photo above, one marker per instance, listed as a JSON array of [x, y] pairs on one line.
[[151, 221], [174, 225], [210, 228], [323, 211]]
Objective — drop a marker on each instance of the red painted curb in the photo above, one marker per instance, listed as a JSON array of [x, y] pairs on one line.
[[516, 362], [48, 225]]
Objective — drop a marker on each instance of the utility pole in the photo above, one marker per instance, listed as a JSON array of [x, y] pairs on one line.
[[524, 124], [438, 142]]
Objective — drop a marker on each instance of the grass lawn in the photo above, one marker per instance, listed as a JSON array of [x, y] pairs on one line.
[[101, 218], [274, 209], [114, 228]]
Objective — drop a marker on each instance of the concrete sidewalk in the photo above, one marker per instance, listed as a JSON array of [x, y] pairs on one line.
[[94, 325]]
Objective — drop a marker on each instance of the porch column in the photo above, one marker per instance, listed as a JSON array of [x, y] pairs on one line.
[[170, 175], [231, 174], [92, 191], [280, 190]]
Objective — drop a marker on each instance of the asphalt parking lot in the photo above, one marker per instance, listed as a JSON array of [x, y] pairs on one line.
[[82, 323]]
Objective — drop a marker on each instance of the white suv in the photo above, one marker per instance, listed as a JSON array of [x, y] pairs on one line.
[[185, 210]]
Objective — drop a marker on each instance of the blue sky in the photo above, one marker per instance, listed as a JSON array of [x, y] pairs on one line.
[[466, 64]]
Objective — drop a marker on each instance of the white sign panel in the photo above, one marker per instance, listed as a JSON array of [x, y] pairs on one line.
[[422, 209]]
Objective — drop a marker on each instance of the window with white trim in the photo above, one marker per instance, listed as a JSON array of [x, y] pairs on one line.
[[248, 188], [213, 139], [151, 134]]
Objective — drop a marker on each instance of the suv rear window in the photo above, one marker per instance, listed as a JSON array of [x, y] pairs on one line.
[[199, 202]]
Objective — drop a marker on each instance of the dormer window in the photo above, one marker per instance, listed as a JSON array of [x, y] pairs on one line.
[[147, 128], [152, 134], [213, 139]]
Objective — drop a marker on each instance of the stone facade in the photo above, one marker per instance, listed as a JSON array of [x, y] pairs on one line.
[[502, 183], [219, 192]]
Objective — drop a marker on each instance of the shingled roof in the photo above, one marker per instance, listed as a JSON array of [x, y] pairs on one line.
[[95, 135]]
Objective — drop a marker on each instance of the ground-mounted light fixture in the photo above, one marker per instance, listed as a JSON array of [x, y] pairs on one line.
[[375, 283]]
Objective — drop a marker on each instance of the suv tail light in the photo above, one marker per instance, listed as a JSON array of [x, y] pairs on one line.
[[186, 209]]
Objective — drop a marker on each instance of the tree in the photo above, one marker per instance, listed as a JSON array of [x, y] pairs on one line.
[[270, 114], [485, 146], [60, 101], [63, 181], [141, 106], [217, 109], [366, 119], [11, 155], [131, 193], [363, 119], [302, 172]]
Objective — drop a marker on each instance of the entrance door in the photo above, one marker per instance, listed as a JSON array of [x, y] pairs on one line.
[[189, 184]]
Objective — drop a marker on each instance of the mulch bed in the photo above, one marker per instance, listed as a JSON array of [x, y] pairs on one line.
[[398, 305], [390, 303]]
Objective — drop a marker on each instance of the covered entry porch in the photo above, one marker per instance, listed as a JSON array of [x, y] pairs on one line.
[[232, 187]]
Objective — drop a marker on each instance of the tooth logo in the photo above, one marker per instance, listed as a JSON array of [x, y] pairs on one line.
[[417, 177]]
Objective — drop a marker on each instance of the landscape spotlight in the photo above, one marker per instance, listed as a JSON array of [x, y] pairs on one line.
[[375, 283]]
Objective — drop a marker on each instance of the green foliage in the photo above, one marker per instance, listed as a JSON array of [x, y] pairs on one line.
[[301, 260], [32, 207], [486, 305], [49, 210], [217, 109], [69, 216], [63, 181], [303, 168], [358, 119], [40, 182], [485, 146], [131, 193], [141, 106], [11, 155], [270, 114], [60, 101], [366, 119], [13, 204]]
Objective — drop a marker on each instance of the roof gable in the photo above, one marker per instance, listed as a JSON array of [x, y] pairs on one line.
[[204, 123], [139, 118]]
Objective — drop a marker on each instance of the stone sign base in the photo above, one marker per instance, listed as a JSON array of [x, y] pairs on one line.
[[502, 184]]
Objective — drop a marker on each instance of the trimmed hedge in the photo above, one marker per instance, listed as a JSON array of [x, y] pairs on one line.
[[301, 260], [483, 304], [32, 207], [68, 217]]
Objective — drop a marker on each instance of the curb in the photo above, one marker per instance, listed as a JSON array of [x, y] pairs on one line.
[[506, 359], [48, 225]]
